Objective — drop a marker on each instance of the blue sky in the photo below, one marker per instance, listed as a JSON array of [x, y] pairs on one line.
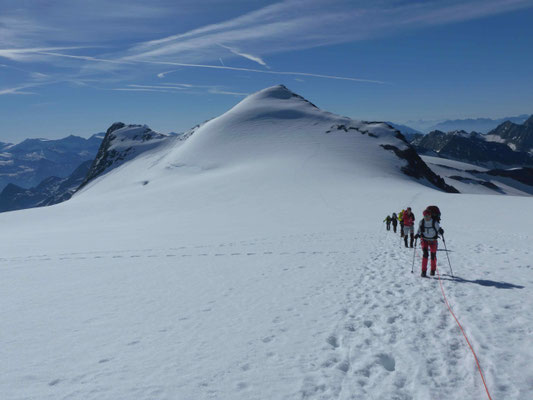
[[75, 67]]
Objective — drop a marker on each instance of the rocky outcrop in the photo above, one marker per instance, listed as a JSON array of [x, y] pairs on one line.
[[472, 148], [522, 175], [418, 169], [415, 167], [122, 143], [517, 137]]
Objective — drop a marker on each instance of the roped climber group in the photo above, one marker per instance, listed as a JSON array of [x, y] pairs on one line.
[[428, 232]]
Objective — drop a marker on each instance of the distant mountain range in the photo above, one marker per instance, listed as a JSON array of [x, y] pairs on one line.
[[472, 148], [494, 150], [518, 137], [120, 144], [481, 125], [50, 191], [65, 166], [28, 163]]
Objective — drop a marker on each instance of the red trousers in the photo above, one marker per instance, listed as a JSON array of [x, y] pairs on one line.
[[432, 244]]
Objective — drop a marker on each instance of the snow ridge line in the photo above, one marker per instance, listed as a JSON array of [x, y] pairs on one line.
[[464, 334]]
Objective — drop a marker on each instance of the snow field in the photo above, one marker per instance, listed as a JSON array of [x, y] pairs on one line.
[[250, 262], [318, 315]]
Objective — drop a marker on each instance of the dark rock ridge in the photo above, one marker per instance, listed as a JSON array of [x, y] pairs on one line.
[[283, 93], [342, 127], [518, 137], [50, 191], [471, 148], [122, 143], [418, 169], [415, 167], [522, 175], [516, 181], [487, 184]]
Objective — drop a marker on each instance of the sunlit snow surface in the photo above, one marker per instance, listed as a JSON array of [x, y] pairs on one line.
[[251, 262], [473, 183]]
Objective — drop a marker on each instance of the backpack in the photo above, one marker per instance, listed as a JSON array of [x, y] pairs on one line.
[[435, 212], [421, 228], [435, 217]]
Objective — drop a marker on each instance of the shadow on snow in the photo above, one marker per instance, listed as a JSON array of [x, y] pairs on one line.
[[482, 282]]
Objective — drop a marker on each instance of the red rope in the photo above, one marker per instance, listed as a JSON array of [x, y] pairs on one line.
[[464, 334]]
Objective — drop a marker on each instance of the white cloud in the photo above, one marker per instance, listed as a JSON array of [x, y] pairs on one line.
[[141, 90], [172, 87], [251, 57], [180, 88], [27, 34], [298, 24], [16, 90], [219, 91], [208, 66], [29, 54], [38, 76], [163, 74], [260, 71], [33, 23], [183, 85], [85, 58]]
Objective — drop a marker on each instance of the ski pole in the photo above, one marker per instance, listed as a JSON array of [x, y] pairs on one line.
[[414, 252], [447, 256]]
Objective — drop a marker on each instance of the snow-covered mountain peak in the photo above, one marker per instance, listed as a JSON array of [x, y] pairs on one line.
[[270, 132], [275, 92], [276, 102], [122, 143], [465, 134], [275, 130], [278, 92], [120, 134], [283, 121]]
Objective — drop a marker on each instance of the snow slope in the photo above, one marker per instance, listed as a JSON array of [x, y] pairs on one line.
[[250, 262], [475, 183]]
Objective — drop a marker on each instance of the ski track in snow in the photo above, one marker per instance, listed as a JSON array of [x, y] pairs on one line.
[[359, 356], [403, 311], [222, 249], [391, 335]]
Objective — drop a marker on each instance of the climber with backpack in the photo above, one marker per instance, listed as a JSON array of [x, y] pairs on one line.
[[400, 219], [394, 222], [428, 232], [408, 226], [388, 220]]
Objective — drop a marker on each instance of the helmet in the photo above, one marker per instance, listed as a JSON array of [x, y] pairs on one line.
[[426, 212]]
